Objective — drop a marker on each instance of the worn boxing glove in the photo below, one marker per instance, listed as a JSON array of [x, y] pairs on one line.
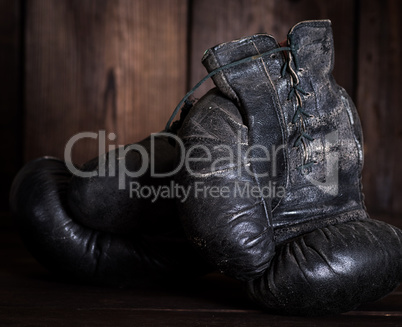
[[97, 229], [274, 157]]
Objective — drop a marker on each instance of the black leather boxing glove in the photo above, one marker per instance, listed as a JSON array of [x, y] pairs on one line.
[[94, 229], [276, 154], [123, 191]]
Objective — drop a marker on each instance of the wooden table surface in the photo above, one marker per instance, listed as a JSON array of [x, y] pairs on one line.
[[30, 296]]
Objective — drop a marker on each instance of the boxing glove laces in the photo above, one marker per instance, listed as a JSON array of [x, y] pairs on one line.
[[274, 156]]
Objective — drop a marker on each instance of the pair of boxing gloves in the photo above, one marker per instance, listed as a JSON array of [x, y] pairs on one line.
[[260, 179]]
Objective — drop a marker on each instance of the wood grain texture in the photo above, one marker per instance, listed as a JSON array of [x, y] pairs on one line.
[[10, 99], [122, 66], [107, 65], [379, 104], [214, 22]]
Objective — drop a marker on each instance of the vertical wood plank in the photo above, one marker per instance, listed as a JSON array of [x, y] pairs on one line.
[[107, 65], [379, 91], [214, 22], [10, 99]]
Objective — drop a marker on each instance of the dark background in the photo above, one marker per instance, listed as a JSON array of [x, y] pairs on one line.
[[68, 66]]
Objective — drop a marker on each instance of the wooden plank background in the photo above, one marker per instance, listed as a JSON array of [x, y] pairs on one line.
[[118, 66], [122, 66], [231, 20], [10, 96], [379, 90]]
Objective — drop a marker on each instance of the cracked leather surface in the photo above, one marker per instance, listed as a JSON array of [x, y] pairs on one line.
[[88, 229], [313, 250]]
